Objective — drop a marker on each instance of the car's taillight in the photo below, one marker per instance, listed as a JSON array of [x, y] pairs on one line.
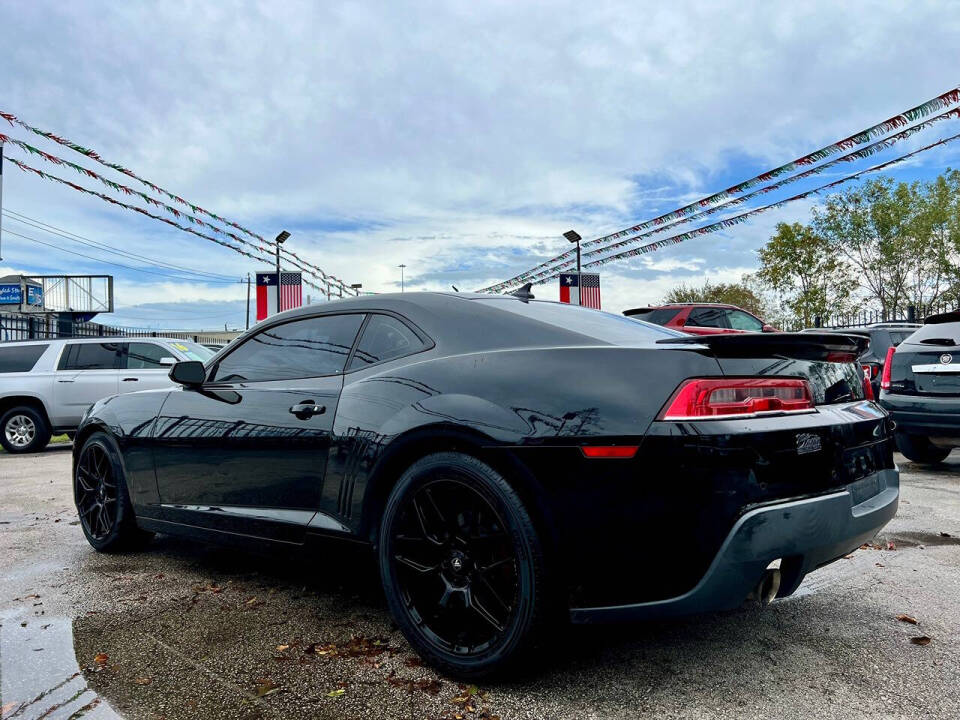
[[885, 378], [737, 397]]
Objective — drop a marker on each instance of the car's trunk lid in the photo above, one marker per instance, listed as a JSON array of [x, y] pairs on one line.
[[826, 360]]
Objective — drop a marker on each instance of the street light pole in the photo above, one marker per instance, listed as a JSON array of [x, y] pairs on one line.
[[574, 237], [281, 238], [401, 276]]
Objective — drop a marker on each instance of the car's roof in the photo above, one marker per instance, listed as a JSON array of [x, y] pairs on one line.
[[677, 306]]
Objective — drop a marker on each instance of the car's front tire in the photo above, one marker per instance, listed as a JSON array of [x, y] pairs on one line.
[[462, 566], [919, 449], [24, 429], [102, 500]]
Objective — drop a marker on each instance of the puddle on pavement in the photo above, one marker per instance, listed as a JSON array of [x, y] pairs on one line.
[[39, 674]]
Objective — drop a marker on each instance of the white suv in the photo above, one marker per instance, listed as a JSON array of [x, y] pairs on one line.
[[47, 385]]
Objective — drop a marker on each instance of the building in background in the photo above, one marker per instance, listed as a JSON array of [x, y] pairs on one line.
[[580, 289]]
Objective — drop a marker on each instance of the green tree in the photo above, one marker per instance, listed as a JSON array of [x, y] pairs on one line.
[[806, 272], [739, 294]]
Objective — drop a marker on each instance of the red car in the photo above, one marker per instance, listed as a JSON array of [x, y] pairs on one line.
[[702, 318]]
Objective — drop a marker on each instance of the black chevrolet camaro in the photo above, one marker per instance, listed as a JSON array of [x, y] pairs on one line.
[[511, 461]]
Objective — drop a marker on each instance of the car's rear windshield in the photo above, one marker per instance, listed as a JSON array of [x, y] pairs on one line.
[[606, 327], [20, 358], [657, 317], [938, 334]]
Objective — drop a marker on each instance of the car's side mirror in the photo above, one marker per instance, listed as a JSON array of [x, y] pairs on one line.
[[768, 328], [189, 373], [168, 361]]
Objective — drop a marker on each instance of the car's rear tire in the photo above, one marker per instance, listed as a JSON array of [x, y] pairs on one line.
[[24, 429], [102, 500], [919, 449], [462, 566]]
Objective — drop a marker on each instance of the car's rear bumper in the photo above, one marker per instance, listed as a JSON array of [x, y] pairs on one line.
[[926, 415], [803, 534]]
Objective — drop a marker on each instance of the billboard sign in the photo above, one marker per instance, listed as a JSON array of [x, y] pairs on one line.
[[10, 294]]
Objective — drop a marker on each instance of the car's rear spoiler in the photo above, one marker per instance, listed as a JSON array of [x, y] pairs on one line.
[[806, 346], [952, 316]]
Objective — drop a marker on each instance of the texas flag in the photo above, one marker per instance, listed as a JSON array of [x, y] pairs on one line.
[[291, 292], [580, 289]]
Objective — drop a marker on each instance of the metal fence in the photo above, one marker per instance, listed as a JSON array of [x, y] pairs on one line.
[[16, 326], [865, 318]]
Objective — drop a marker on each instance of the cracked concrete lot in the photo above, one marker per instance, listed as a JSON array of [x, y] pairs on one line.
[[184, 630]]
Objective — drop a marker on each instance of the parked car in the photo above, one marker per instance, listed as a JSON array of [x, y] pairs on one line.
[[504, 456], [46, 385], [701, 318], [920, 387], [881, 337]]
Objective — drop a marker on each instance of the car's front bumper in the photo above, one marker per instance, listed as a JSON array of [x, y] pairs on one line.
[[926, 415], [804, 534]]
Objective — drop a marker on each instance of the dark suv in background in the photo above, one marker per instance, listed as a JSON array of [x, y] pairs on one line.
[[920, 387], [882, 337]]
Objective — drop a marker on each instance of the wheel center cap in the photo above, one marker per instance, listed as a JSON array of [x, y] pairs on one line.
[[458, 562]]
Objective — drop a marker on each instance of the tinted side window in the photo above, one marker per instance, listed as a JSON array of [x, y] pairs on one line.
[[707, 317], [384, 338], [91, 356], [303, 348], [146, 356], [740, 320], [20, 358]]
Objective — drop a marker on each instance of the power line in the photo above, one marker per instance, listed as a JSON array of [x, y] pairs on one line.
[[128, 267], [74, 237]]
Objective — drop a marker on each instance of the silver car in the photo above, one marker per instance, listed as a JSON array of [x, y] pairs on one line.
[[47, 385]]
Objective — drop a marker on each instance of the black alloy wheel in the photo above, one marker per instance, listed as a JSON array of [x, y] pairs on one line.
[[100, 494], [462, 565]]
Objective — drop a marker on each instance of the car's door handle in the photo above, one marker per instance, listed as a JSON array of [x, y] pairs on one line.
[[65, 380], [307, 409], [131, 379]]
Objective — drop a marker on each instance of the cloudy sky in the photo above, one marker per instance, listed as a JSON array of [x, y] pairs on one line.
[[460, 139]]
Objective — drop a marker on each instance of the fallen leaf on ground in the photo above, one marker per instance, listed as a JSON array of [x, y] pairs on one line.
[[266, 687], [281, 648], [101, 659], [920, 640], [943, 534], [143, 680], [907, 619], [336, 693]]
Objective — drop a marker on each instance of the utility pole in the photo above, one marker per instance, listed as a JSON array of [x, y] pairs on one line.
[[401, 276], [248, 301], [1, 200]]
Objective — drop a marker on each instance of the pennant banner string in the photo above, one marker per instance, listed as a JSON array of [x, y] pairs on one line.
[[737, 219], [868, 151], [47, 176], [941, 101], [15, 121]]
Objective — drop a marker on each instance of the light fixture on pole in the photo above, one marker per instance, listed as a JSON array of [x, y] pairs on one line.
[[356, 286], [281, 238], [401, 276], [574, 237]]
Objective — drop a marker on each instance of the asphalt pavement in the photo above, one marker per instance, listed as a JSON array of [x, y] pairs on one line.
[[183, 630]]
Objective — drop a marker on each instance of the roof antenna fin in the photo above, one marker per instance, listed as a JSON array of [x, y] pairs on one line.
[[524, 292]]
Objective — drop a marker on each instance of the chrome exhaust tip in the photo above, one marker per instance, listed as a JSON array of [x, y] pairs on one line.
[[766, 590]]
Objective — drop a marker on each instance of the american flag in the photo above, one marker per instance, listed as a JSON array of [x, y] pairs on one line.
[[580, 289], [291, 292]]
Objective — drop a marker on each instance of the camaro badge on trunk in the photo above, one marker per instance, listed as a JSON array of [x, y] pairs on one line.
[[807, 443], [946, 359]]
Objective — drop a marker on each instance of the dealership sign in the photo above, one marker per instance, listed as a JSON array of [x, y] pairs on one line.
[[12, 294]]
